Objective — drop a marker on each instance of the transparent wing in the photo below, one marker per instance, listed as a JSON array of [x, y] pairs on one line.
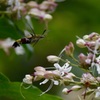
[[27, 33]]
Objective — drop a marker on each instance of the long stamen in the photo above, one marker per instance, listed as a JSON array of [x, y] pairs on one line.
[[60, 54], [51, 85]]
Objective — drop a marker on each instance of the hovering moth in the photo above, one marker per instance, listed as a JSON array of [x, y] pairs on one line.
[[33, 38]]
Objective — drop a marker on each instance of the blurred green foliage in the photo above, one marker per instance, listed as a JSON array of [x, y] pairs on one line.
[[72, 18], [14, 91]]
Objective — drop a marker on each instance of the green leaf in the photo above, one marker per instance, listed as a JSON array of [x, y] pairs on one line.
[[14, 91], [7, 29]]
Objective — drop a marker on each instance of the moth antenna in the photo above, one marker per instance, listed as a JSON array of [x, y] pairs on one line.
[[43, 32], [39, 38]]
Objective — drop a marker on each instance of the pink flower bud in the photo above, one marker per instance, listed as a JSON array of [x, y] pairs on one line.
[[69, 76], [39, 74], [93, 36], [69, 49], [52, 74], [32, 4], [39, 68], [82, 59]]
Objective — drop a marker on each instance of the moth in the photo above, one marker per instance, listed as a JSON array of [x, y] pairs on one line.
[[33, 38]]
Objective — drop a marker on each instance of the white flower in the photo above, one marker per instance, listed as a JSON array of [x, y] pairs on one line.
[[87, 77], [64, 69], [97, 95], [28, 79]]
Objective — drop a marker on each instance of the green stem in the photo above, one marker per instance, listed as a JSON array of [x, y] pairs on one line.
[[5, 12], [74, 59]]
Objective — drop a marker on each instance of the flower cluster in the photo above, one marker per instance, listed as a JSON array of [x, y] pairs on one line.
[[92, 59], [25, 10], [38, 10], [89, 82]]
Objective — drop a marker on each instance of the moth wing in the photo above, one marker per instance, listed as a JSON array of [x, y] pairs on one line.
[[27, 33]]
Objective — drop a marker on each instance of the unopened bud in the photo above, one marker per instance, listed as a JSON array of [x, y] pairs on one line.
[[69, 49], [65, 91], [82, 58], [69, 76], [86, 37], [39, 68], [53, 58], [80, 43], [47, 17], [28, 79], [93, 36], [34, 12], [76, 87], [32, 4]]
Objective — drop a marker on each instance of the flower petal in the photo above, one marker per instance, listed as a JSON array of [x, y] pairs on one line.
[[57, 66], [65, 65], [68, 69]]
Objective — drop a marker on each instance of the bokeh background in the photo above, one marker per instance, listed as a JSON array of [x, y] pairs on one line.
[[72, 18]]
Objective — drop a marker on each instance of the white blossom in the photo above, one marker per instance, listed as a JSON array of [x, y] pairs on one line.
[[64, 69]]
